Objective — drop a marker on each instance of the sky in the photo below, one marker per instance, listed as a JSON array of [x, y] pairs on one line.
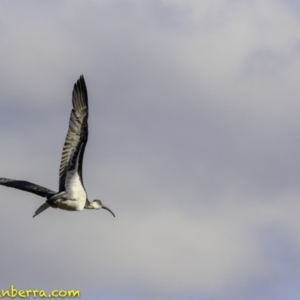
[[194, 142]]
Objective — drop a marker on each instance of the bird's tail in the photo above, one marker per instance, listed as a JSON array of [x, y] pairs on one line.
[[41, 209]]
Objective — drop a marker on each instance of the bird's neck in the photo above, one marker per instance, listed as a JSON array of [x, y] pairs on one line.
[[89, 205]]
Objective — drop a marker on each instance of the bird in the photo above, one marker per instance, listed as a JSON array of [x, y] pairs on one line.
[[71, 195]]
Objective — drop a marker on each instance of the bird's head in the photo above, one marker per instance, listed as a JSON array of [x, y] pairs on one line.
[[97, 204]]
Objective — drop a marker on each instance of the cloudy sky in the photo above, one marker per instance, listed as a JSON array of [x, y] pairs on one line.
[[194, 144]]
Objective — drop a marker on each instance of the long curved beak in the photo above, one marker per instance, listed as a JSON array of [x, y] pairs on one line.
[[104, 207]]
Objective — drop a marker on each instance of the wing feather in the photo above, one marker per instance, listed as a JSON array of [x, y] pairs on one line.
[[77, 135], [27, 187]]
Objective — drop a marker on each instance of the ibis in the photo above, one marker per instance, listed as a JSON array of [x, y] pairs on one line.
[[72, 194]]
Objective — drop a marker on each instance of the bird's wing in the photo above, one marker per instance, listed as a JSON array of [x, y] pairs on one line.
[[77, 136], [27, 187]]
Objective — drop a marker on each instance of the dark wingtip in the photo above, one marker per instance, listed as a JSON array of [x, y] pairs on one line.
[[80, 95], [80, 83]]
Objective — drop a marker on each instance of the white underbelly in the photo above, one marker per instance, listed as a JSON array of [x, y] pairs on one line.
[[73, 205], [75, 193]]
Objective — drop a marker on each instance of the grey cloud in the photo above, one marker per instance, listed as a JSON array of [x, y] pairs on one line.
[[193, 144]]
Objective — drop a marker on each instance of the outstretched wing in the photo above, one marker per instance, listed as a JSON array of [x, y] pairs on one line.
[[27, 187], [77, 136]]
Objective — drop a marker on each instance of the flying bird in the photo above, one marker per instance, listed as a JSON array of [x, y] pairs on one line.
[[72, 195]]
